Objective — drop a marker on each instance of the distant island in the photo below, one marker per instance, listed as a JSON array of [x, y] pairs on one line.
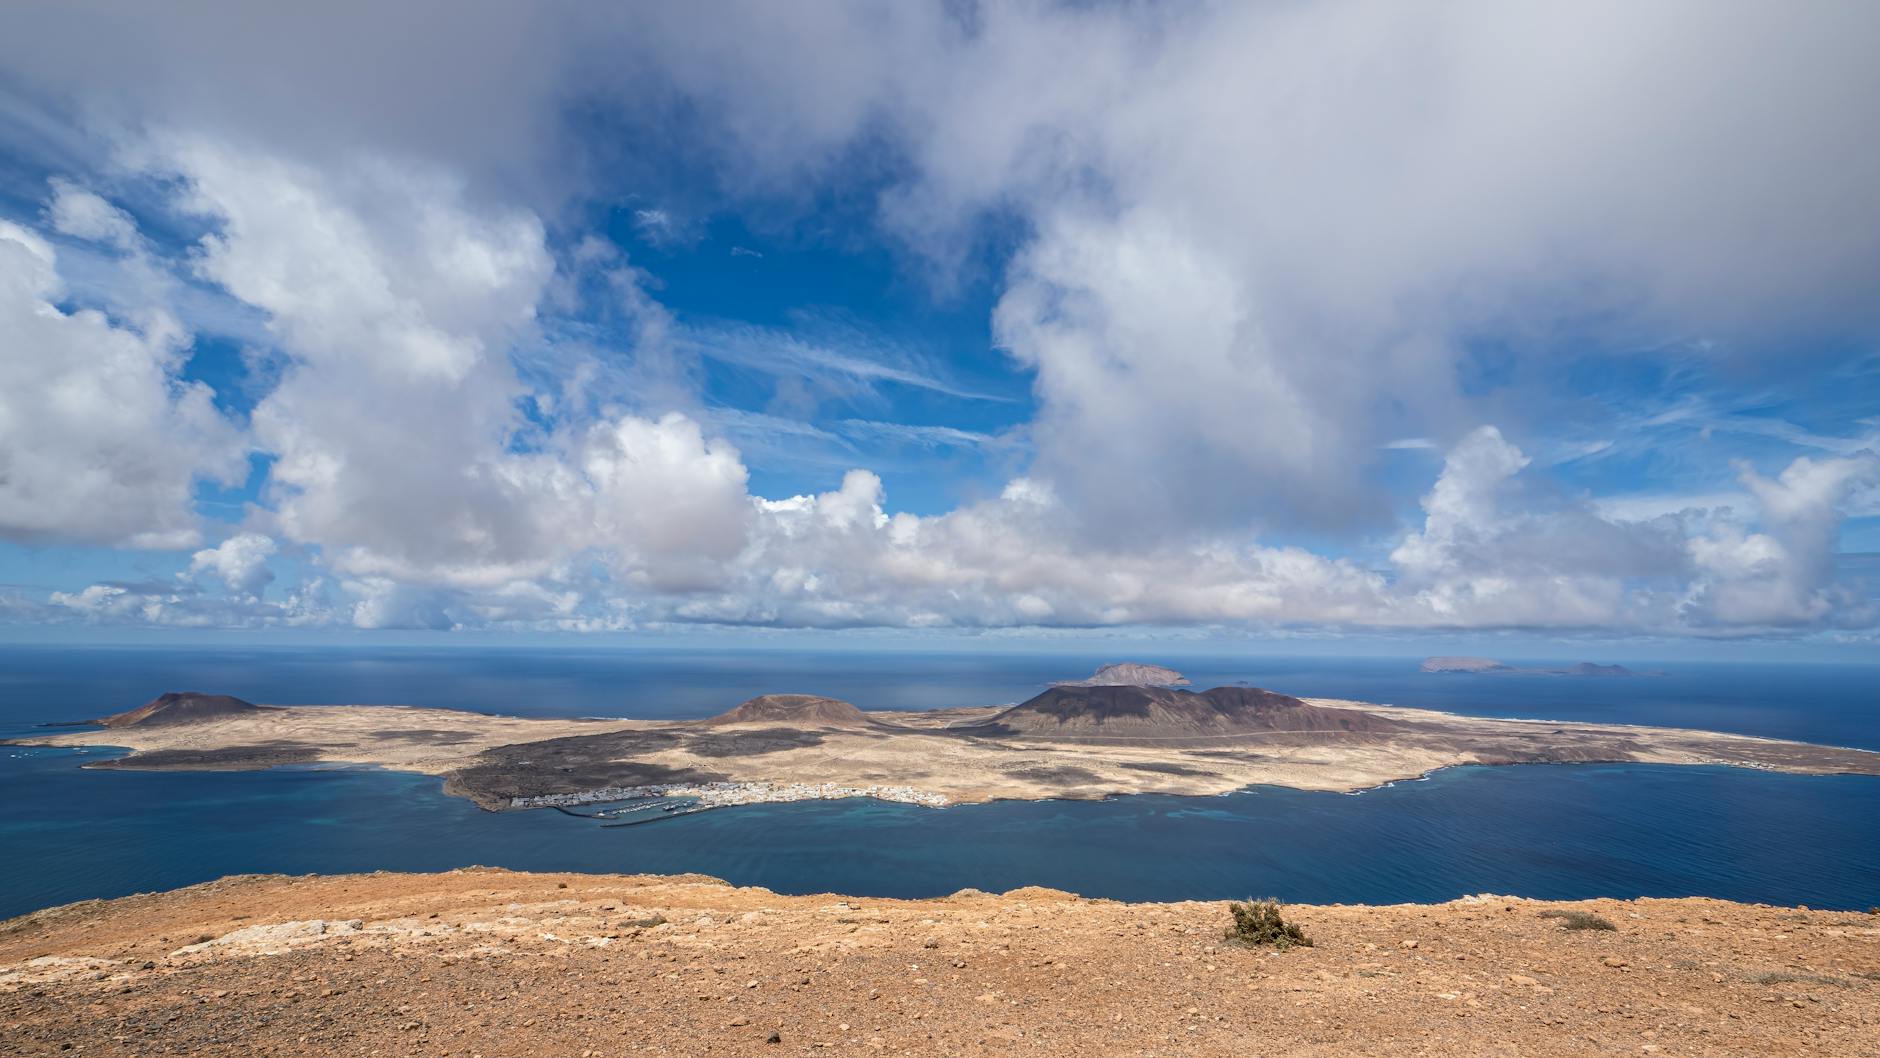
[[1447, 665], [1079, 739], [1129, 674]]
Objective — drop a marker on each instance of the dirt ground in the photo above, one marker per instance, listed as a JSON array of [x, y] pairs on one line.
[[495, 963]]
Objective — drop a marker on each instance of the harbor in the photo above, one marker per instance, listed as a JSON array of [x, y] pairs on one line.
[[668, 800]]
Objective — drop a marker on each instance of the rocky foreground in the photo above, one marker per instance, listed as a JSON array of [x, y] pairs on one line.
[[488, 962]]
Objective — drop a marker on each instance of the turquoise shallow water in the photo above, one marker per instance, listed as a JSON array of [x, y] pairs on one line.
[[1542, 831]]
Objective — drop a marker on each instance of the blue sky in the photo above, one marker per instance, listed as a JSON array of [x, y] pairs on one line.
[[1288, 324]]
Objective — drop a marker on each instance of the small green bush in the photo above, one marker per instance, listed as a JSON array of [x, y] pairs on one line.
[[1258, 922], [1579, 920]]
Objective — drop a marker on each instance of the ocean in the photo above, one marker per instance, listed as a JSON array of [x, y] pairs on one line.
[[1557, 832]]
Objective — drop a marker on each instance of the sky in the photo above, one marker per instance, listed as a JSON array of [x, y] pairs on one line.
[[1331, 324]]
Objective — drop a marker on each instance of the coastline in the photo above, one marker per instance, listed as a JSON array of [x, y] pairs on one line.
[[505, 763], [724, 795]]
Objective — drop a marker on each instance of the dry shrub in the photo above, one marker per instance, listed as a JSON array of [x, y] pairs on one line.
[[1258, 922], [1579, 920]]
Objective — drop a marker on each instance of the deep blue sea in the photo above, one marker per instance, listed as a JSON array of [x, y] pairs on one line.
[[1542, 831]]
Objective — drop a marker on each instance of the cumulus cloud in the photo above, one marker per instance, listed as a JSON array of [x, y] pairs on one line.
[[1265, 234], [183, 606], [401, 445], [1477, 561], [840, 559], [669, 504], [1783, 574], [1254, 247], [100, 440], [240, 562], [395, 424]]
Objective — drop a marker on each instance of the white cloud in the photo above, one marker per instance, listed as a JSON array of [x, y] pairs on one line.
[[99, 438], [395, 426], [662, 229], [1644, 506], [82, 214], [1264, 233], [1463, 505], [240, 562], [842, 361], [401, 449], [669, 504], [683, 543], [1255, 242], [184, 606], [1783, 574], [924, 436]]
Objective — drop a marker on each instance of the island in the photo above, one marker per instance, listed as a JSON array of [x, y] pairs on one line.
[[1082, 740], [1471, 666], [1129, 674]]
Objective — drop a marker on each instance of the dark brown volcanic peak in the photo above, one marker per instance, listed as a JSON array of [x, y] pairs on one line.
[[1167, 712], [180, 707], [796, 710]]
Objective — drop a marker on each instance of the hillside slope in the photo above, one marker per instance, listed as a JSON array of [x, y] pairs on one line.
[[1168, 712], [793, 710], [181, 707], [496, 963]]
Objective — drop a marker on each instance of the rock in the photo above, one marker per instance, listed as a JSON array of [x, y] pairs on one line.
[[1407, 944], [1522, 980], [1615, 962], [775, 1037]]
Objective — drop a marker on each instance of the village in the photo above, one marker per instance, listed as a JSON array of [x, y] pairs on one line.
[[726, 794]]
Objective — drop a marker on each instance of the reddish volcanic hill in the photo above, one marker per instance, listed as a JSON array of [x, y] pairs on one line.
[[180, 707], [1168, 712], [794, 710]]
